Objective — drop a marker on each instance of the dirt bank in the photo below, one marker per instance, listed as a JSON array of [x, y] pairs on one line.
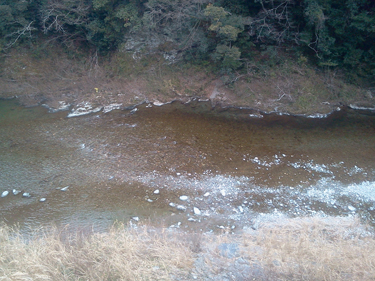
[[87, 83]]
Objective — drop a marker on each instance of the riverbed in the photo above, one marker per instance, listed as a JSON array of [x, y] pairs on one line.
[[187, 166]]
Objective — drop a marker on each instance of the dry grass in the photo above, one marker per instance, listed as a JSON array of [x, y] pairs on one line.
[[292, 249], [119, 254], [314, 249]]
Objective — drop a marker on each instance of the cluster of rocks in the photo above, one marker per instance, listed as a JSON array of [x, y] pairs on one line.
[[179, 207], [27, 194], [15, 192]]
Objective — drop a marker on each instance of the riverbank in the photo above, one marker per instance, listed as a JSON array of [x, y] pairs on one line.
[[265, 247], [88, 83], [280, 249]]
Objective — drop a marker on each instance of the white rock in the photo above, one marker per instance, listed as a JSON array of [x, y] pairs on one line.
[[64, 188], [157, 191], [222, 192], [158, 103], [84, 108], [26, 194], [181, 208], [42, 199], [197, 211], [351, 208], [206, 194], [184, 197], [173, 205], [15, 191], [111, 107], [5, 193], [240, 209], [135, 218], [149, 200]]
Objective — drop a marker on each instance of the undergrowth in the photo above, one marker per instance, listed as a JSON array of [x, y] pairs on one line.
[[298, 249]]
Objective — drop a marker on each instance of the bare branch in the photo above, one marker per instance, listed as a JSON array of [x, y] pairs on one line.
[[25, 30], [273, 22], [59, 14]]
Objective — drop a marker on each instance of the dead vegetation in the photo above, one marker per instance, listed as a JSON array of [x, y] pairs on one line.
[[292, 249], [120, 254], [315, 249], [293, 87]]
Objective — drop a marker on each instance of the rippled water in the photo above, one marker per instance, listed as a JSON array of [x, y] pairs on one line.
[[232, 166]]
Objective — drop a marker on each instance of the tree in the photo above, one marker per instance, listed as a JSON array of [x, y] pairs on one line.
[[110, 20], [66, 20], [176, 21], [226, 28], [16, 23]]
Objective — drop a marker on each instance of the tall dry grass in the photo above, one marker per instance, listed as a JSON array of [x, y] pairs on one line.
[[291, 249], [120, 254], [314, 249]]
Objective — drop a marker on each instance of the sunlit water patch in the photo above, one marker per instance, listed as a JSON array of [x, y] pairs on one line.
[[185, 166]]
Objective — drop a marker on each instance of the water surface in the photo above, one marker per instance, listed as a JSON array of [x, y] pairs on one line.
[[233, 166]]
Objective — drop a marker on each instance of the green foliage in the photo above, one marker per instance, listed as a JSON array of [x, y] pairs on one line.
[[100, 4], [228, 56], [215, 13], [338, 33], [16, 22], [111, 20], [226, 26], [314, 15]]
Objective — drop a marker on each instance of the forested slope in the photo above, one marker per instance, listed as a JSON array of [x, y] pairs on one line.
[[296, 56], [229, 34]]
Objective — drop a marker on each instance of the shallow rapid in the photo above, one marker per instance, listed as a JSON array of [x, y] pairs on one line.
[[188, 166]]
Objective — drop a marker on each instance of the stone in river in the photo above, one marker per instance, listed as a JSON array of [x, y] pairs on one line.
[[5, 193], [197, 211], [351, 208], [181, 208], [15, 191], [183, 198], [26, 194], [64, 188]]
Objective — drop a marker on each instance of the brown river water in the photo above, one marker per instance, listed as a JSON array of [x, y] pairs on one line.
[[230, 167]]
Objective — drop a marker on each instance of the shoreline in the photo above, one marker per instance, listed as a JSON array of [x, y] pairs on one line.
[[85, 108], [61, 83]]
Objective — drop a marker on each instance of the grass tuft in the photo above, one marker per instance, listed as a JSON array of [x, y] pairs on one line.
[[120, 254]]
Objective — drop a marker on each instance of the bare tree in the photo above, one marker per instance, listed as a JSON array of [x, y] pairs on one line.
[[24, 31], [65, 18], [274, 21], [178, 20]]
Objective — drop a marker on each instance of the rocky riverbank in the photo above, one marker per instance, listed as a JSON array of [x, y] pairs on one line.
[[82, 86]]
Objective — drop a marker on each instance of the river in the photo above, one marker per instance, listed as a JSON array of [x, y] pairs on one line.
[[188, 166]]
